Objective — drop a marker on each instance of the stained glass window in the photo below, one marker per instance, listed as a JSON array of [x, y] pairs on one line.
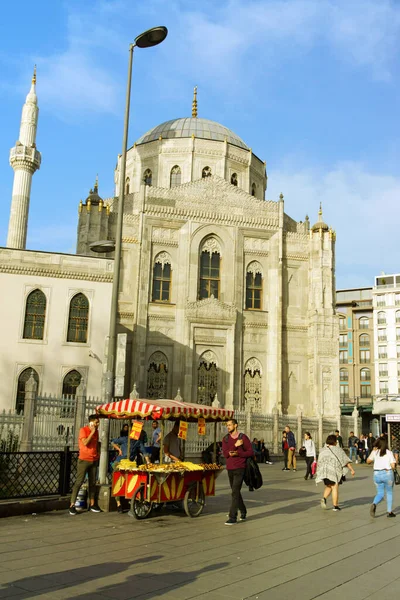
[[78, 319], [157, 375], [22, 379], [207, 382], [35, 315], [252, 390]]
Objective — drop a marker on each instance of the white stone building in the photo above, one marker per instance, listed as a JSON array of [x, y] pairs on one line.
[[222, 294]]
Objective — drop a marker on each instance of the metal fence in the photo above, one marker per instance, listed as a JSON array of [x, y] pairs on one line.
[[36, 474]]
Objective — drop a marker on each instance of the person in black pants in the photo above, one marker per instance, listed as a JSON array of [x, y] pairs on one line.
[[236, 448], [285, 450], [310, 454]]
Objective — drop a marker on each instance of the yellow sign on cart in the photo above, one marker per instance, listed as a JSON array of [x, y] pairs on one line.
[[183, 426], [136, 430], [201, 426]]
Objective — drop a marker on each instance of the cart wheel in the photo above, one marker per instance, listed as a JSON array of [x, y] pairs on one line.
[[193, 501], [140, 508]]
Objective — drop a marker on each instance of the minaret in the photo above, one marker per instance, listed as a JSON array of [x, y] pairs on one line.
[[25, 160]]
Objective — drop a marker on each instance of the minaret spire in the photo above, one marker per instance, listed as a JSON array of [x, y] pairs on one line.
[[194, 103], [25, 160]]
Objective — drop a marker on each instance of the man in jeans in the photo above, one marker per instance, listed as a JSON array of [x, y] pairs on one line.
[[292, 448], [353, 448], [236, 448], [87, 463]]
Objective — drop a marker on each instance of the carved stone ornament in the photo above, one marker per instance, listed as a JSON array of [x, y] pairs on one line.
[[209, 357], [254, 268], [210, 309], [163, 259], [252, 365], [158, 358], [165, 236], [211, 245]]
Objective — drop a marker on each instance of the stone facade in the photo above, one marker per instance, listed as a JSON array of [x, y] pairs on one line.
[[282, 354]]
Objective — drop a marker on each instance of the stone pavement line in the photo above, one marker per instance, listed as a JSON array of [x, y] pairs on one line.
[[284, 508]]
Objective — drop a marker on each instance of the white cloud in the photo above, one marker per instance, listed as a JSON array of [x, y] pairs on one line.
[[361, 206]]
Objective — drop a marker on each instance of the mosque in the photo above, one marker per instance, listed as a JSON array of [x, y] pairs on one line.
[[222, 294]]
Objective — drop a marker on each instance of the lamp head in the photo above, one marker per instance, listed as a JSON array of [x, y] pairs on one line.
[[151, 37]]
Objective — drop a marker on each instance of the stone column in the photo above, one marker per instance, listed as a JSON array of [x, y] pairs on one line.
[[80, 409], [275, 413], [299, 426], [320, 431], [29, 415], [355, 414]]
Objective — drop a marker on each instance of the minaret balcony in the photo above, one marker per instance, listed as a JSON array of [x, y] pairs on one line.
[[23, 154]]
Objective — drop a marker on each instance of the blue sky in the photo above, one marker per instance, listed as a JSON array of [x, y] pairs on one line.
[[311, 85]]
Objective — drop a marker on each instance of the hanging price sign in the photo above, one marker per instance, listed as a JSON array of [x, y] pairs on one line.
[[136, 430], [201, 426], [183, 426]]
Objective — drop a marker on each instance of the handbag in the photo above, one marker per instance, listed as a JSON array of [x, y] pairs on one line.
[[314, 467], [343, 477], [396, 476], [302, 452]]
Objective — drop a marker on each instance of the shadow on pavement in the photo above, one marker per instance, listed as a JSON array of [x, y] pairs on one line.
[[150, 584], [29, 587]]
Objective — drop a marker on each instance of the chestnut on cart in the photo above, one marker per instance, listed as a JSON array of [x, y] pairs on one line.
[[151, 485]]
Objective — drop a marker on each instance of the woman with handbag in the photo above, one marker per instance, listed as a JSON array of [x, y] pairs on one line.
[[285, 450], [309, 453], [333, 465], [384, 466]]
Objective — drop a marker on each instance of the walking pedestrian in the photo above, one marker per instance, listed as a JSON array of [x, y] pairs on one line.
[[333, 464], [292, 448], [285, 450], [87, 463], [339, 438], [236, 448], [311, 454], [352, 444], [384, 463]]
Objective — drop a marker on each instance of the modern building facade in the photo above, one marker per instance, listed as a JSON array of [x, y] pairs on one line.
[[356, 350]]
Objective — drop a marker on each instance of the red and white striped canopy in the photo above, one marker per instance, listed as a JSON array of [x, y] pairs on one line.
[[162, 409]]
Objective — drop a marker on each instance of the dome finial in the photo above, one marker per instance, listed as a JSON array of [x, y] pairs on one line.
[[194, 103], [320, 211], [96, 184], [34, 75]]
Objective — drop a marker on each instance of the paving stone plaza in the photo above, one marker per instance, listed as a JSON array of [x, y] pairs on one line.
[[288, 548]]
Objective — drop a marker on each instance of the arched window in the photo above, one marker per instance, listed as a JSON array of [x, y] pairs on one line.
[[148, 177], [176, 176], [157, 374], [70, 383], [127, 185], [381, 318], [22, 379], [206, 172], [363, 323], [254, 285], [253, 189], [344, 375], [161, 278], [234, 179], [35, 315], [252, 385], [365, 375], [78, 319], [210, 261], [207, 378], [364, 340]]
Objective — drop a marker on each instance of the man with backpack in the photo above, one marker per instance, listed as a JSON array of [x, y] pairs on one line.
[[236, 448]]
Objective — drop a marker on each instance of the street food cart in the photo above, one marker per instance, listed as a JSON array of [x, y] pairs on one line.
[[149, 486]]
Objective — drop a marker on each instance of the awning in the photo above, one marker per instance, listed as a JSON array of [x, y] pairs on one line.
[[162, 409]]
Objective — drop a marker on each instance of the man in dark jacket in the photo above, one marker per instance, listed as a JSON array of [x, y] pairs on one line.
[[236, 448], [291, 440]]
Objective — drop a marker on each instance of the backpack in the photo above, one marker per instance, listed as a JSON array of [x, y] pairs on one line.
[[252, 475]]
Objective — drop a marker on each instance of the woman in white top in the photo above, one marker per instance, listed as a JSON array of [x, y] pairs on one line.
[[384, 463], [311, 454]]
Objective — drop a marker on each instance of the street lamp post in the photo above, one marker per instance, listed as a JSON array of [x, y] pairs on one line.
[[147, 39]]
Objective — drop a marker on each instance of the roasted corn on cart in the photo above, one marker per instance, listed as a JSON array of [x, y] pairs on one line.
[[149, 486]]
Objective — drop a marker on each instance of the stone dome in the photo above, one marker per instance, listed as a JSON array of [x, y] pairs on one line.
[[185, 128]]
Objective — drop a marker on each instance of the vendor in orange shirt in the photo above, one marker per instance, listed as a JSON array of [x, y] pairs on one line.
[[87, 463]]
